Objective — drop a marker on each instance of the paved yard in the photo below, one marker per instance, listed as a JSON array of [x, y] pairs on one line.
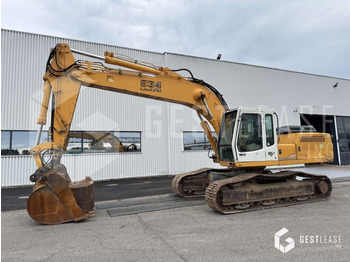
[[193, 233]]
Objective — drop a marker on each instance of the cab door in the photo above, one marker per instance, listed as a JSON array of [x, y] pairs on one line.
[[255, 138], [270, 137], [249, 143]]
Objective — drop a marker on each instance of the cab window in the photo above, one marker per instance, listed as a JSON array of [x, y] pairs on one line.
[[269, 130], [225, 137], [250, 133]]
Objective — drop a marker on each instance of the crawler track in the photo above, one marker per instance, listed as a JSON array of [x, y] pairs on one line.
[[256, 191], [193, 184]]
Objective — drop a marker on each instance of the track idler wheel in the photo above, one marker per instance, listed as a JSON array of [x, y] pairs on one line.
[[322, 187], [55, 201]]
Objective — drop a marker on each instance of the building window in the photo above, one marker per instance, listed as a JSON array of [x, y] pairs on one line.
[[6, 143], [103, 142], [19, 142], [196, 140], [75, 143], [23, 141], [98, 142], [131, 141]]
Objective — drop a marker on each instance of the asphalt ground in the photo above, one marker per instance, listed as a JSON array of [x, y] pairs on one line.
[[193, 233], [16, 198]]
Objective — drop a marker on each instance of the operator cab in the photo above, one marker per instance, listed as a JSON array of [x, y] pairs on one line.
[[247, 135]]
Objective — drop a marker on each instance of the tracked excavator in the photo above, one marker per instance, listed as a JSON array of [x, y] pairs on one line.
[[247, 143]]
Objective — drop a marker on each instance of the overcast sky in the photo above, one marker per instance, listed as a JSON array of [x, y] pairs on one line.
[[309, 36]]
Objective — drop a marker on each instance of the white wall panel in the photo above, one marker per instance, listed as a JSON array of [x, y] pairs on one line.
[[184, 161], [15, 170]]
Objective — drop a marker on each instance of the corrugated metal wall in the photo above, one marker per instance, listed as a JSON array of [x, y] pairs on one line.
[[162, 124]]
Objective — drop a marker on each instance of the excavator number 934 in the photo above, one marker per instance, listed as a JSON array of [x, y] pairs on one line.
[[148, 85]]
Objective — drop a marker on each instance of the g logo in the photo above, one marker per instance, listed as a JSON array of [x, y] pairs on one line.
[[283, 249]]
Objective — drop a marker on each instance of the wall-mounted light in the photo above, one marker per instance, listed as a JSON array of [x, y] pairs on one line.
[[336, 84]]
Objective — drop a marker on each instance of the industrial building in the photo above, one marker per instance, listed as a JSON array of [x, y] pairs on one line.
[[166, 138]]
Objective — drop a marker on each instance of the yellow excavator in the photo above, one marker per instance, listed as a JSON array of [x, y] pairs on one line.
[[248, 141]]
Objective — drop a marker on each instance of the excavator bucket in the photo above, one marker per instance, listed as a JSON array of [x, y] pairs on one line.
[[54, 200]]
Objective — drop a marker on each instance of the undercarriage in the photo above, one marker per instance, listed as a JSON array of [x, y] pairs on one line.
[[229, 192]]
